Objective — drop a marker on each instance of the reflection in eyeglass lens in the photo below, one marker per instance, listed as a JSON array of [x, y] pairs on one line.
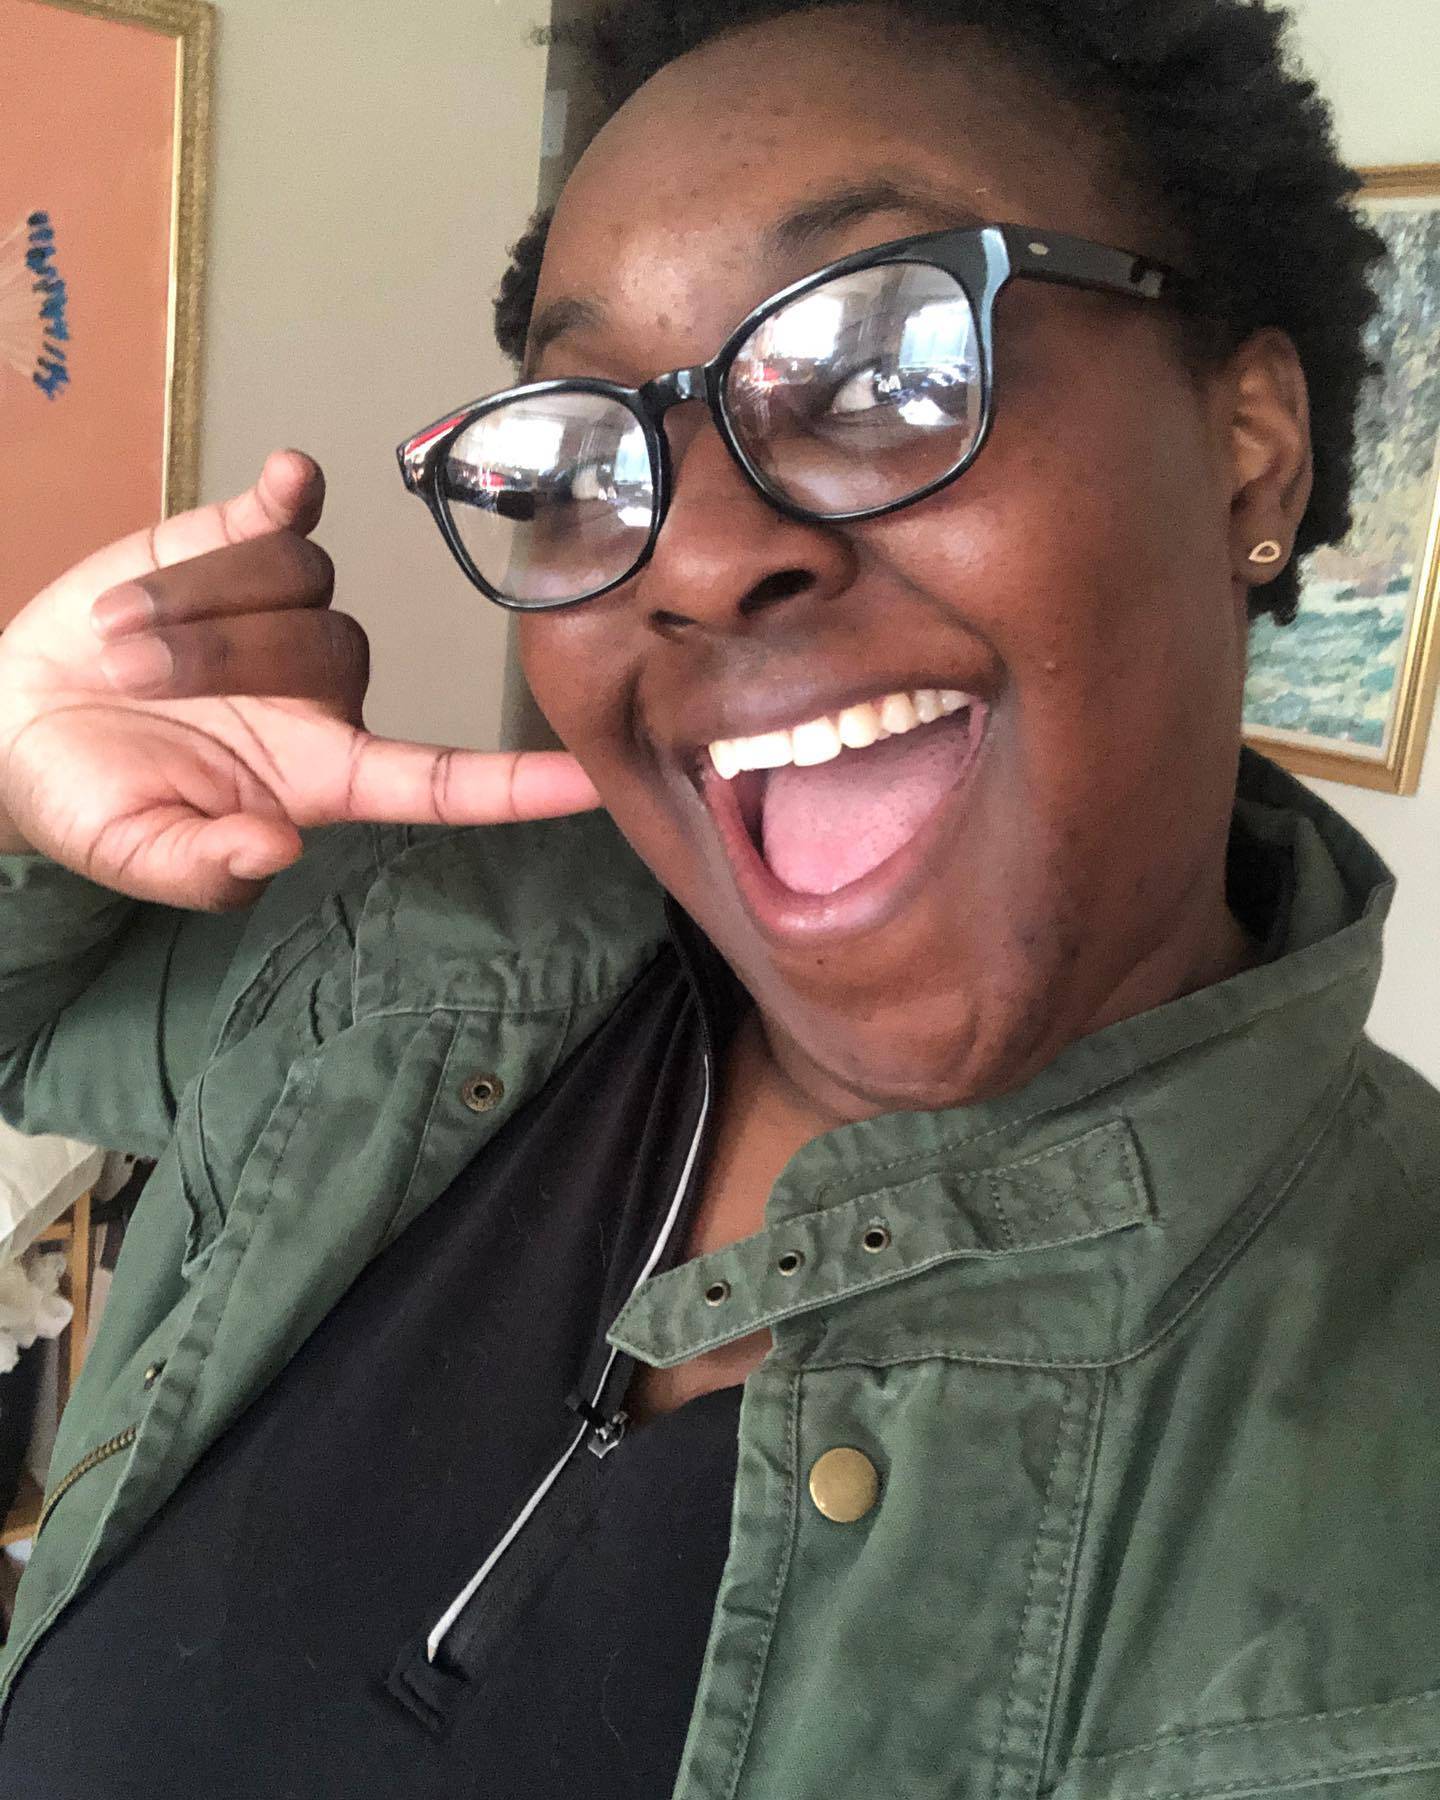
[[863, 391], [551, 496]]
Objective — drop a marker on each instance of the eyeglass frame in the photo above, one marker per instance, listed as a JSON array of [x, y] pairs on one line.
[[981, 260]]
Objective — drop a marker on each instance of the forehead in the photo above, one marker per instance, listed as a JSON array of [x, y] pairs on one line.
[[738, 167]]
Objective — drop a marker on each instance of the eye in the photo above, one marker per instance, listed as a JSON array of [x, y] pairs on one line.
[[864, 391], [913, 399]]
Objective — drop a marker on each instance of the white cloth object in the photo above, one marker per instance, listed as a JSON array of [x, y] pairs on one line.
[[31, 1304], [40, 1178]]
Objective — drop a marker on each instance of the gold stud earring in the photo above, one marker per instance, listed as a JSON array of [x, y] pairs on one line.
[[1268, 552]]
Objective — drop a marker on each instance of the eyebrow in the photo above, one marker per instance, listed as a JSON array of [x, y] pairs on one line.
[[558, 319], [799, 230]]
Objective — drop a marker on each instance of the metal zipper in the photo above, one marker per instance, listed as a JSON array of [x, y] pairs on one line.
[[92, 1460], [608, 1433]]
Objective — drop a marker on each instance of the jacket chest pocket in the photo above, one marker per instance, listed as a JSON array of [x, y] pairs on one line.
[[901, 1565], [380, 1117], [223, 1117]]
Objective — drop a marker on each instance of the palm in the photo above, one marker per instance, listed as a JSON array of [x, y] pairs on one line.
[[121, 790]]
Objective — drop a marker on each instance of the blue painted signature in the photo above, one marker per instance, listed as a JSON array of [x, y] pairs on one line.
[[52, 365]]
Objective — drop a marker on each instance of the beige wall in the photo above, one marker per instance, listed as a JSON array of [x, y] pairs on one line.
[[373, 158], [1379, 63]]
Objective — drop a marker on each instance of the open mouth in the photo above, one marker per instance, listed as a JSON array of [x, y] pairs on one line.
[[822, 805]]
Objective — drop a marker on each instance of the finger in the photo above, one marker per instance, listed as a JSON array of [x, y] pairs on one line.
[[245, 850], [273, 573], [185, 859], [385, 781], [306, 655], [288, 496]]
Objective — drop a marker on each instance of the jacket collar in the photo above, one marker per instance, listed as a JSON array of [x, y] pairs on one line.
[[1252, 1052], [1132, 1164]]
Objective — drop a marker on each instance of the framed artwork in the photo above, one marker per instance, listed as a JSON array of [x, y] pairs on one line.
[[103, 159], [1347, 691]]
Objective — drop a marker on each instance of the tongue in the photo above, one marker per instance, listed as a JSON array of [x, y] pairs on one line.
[[824, 827]]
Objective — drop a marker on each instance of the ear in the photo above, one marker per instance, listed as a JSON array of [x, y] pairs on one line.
[[1272, 469]]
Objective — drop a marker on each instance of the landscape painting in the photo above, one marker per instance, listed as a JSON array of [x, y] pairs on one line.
[[1346, 691]]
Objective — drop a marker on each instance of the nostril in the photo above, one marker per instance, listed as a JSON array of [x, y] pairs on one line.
[[785, 584], [669, 622]]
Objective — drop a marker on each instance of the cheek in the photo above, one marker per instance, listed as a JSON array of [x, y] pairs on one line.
[[1087, 544], [584, 669], [578, 671]]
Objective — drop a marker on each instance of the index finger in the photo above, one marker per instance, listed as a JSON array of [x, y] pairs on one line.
[[288, 496], [387, 781]]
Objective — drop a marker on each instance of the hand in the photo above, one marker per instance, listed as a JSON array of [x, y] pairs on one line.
[[175, 706]]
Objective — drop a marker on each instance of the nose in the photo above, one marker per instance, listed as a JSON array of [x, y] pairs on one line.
[[725, 556]]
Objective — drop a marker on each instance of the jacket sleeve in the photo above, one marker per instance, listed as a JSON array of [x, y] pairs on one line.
[[107, 1005]]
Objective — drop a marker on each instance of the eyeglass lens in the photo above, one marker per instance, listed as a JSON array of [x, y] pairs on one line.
[[859, 394], [552, 496]]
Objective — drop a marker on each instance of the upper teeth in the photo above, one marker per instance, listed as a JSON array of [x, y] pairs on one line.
[[818, 740]]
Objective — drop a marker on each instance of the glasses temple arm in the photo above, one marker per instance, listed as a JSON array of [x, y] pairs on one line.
[[1076, 262]]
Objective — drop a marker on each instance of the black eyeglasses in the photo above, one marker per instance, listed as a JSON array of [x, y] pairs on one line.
[[849, 394]]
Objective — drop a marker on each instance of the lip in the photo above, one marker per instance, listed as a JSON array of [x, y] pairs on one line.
[[786, 917]]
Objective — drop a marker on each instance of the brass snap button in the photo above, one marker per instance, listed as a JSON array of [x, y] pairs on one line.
[[153, 1374], [876, 1239], [717, 1293], [791, 1262], [844, 1485], [482, 1092]]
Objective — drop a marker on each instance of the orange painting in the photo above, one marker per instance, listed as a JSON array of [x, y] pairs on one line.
[[87, 155]]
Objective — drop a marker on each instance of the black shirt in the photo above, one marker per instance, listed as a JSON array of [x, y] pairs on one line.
[[267, 1634]]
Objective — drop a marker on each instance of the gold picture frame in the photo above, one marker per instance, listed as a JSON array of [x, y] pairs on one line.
[[1348, 693], [138, 146]]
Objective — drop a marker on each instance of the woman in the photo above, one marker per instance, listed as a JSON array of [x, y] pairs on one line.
[[945, 1304]]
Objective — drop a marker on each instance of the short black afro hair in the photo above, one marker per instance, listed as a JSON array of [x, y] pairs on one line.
[[1235, 145]]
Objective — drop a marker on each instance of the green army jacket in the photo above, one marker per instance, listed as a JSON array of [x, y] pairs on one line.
[[1146, 1356]]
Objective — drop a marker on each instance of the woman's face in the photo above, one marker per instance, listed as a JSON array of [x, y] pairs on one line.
[[1060, 857]]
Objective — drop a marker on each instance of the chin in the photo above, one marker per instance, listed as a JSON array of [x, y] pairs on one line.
[[906, 1032]]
